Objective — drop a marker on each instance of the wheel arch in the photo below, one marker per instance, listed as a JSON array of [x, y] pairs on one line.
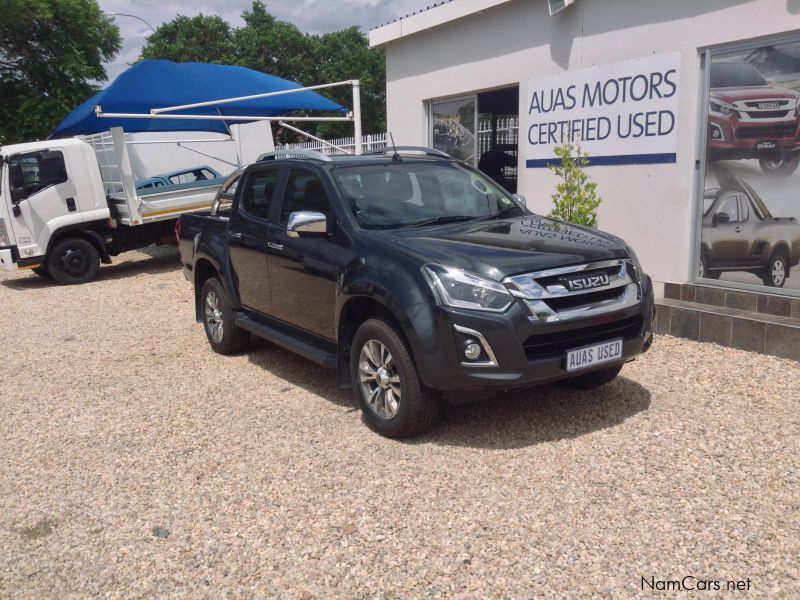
[[81, 232], [204, 269], [355, 311]]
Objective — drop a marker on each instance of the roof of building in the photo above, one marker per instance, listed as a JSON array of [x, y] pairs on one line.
[[435, 15]]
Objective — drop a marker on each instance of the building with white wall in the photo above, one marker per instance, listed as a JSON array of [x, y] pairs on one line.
[[467, 65]]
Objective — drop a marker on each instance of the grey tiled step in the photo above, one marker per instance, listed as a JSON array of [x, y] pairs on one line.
[[758, 302], [733, 327]]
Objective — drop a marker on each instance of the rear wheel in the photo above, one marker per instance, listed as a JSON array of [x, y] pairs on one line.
[[220, 327], [594, 379], [73, 260], [394, 401], [777, 270], [780, 166]]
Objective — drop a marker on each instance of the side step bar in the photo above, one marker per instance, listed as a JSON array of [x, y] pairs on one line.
[[276, 334]]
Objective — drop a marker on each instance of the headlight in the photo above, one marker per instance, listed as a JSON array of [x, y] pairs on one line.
[[4, 239], [637, 266], [459, 289], [720, 108]]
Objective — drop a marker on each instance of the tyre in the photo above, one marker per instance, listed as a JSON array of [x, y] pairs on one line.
[[777, 270], [218, 322], [594, 379], [42, 272], [73, 260], [394, 401], [704, 271], [780, 166]]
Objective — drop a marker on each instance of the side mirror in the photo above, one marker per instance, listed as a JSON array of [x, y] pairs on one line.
[[305, 222], [721, 217], [521, 199]]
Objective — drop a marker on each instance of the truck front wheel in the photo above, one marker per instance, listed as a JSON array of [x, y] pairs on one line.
[[73, 260], [394, 401], [221, 330]]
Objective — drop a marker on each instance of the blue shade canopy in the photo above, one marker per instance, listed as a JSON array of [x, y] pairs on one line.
[[162, 83]]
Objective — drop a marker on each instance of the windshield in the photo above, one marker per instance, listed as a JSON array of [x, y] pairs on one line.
[[735, 74], [404, 194]]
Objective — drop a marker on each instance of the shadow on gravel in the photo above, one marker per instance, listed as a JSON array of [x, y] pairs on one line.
[[299, 372], [514, 420], [149, 266], [542, 414]]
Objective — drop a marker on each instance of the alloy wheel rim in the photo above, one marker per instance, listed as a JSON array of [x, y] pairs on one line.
[[379, 379], [778, 272], [213, 314]]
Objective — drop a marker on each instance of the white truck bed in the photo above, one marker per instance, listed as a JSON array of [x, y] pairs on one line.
[[129, 207]]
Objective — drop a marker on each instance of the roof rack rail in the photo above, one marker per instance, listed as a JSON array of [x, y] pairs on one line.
[[411, 149], [294, 153]]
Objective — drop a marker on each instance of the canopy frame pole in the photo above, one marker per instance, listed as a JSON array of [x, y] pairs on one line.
[[313, 137], [357, 116], [104, 115], [156, 111], [227, 162]]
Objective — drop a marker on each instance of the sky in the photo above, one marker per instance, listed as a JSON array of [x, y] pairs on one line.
[[311, 16]]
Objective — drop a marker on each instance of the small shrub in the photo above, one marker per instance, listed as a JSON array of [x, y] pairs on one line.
[[575, 200]]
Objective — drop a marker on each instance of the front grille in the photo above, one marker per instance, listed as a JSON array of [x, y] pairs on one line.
[[768, 114], [552, 295], [548, 345], [567, 302], [749, 133]]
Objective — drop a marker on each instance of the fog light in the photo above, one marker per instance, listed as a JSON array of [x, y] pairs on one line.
[[472, 350], [716, 134]]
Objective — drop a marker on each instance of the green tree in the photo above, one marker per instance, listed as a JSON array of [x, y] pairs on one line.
[[575, 200], [51, 52], [203, 38]]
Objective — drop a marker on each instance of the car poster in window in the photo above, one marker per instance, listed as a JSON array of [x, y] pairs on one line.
[[454, 128], [751, 202]]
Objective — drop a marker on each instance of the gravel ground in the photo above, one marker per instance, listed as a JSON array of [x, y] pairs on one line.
[[137, 463]]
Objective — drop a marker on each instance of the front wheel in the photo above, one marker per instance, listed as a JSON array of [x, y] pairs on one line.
[[394, 401], [73, 260], [782, 166], [220, 327], [777, 270]]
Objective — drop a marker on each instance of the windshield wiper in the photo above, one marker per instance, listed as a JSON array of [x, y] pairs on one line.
[[442, 219]]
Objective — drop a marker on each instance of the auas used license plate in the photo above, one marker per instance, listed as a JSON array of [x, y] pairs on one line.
[[595, 354]]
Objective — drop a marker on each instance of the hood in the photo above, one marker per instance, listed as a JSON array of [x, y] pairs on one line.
[[499, 248], [734, 94]]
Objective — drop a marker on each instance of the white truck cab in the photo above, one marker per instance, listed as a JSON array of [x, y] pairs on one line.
[[46, 188]]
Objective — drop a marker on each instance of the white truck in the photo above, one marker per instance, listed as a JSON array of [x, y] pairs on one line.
[[66, 205]]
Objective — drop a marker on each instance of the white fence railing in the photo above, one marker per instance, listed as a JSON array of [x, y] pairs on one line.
[[375, 141]]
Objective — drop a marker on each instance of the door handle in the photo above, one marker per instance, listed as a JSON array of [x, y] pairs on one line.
[[237, 235], [737, 229], [275, 246]]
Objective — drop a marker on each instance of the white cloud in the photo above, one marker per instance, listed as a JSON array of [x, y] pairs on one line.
[[311, 16]]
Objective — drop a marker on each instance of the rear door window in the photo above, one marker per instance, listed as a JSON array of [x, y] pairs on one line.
[[260, 190]]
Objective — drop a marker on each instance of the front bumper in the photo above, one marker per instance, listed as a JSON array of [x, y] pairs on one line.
[[526, 352], [7, 262], [732, 138]]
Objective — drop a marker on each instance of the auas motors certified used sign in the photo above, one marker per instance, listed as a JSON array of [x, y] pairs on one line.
[[621, 113]]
